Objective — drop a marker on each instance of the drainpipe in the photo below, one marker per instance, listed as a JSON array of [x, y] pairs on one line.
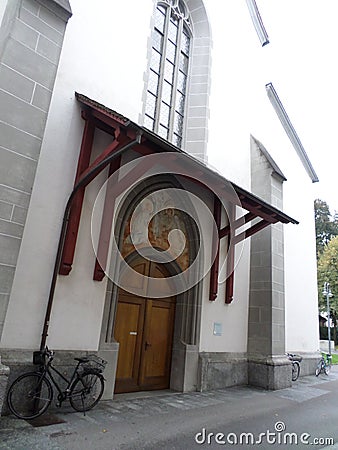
[[82, 183]]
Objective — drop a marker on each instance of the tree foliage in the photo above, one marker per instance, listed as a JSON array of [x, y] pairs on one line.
[[327, 271], [326, 226]]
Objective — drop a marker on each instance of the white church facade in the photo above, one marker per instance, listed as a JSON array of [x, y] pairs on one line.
[[117, 235]]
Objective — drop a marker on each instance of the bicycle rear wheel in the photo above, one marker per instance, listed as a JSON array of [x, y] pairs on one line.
[[86, 391], [295, 370], [29, 395]]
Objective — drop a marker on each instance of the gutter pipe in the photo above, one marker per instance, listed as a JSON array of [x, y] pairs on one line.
[[82, 183]]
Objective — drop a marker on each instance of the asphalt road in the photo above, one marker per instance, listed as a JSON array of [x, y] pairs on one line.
[[304, 416]]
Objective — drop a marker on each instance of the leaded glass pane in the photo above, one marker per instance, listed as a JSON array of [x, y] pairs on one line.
[[150, 104], [171, 51], [157, 41], [155, 60], [169, 71], [164, 114], [160, 18], [184, 62], [153, 82], [179, 102], [185, 43], [181, 82], [162, 8], [167, 92], [177, 140], [178, 124], [172, 30], [163, 131], [149, 123]]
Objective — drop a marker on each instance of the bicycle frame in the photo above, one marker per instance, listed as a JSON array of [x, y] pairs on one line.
[[324, 364], [62, 394], [326, 359]]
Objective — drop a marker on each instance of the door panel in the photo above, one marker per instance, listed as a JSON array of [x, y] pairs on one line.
[[128, 332], [144, 329], [157, 345]]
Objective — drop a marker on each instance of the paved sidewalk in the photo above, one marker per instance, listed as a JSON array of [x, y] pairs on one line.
[[127, 419]]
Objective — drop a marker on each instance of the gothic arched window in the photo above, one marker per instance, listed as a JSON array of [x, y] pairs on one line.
[[168, 74]]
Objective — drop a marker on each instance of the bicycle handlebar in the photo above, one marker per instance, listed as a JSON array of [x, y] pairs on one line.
[[49, 353]]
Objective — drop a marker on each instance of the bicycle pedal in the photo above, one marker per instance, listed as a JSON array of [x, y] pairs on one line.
[[58, 404]]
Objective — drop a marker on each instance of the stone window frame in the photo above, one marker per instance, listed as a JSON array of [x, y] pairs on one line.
[[195, 129]]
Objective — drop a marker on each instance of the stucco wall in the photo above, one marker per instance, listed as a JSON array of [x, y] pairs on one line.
[[240, 107], [233, 318]]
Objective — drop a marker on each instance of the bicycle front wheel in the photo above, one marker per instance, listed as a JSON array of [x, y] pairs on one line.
[[327, 368], [29, 395], [319, 368], [86, 391], [295, 370]]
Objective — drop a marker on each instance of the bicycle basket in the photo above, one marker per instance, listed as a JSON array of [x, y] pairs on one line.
[[94, 363], [39, 358]]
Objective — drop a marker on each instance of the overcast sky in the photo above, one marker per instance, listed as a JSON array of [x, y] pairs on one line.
[[305, 33]]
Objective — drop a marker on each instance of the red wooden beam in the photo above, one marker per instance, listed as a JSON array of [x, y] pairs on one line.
[[120, 140], [74, 220], [213, 290], [106, 224], [230, 269], [259, 210], [254, 229], [84, 168], [237, 223], [115, 188]]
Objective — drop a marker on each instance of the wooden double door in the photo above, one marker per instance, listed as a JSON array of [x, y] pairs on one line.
[[144, 329]]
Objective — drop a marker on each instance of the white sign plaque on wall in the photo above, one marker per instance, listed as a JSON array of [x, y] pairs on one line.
[[217, 329]]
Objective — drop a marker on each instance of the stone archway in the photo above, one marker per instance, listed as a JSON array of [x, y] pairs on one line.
[[186, 319]]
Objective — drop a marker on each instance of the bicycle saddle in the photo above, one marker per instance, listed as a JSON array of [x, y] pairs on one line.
[[82, 360]]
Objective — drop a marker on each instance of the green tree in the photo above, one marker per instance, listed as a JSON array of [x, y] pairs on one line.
[[326, 227], [327, 271]]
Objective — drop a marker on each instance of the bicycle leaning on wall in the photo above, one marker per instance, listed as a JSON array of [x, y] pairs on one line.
[[295, 360], [324, 364], [30, 395]]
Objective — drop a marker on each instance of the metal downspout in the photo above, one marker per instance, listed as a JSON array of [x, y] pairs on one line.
[[82, 183]]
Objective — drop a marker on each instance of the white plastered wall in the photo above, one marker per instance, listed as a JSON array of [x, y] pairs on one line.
[[228, 151], [239, 107], [233, 318]]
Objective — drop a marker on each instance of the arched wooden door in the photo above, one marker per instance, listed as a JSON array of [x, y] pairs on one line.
[[144, 329]]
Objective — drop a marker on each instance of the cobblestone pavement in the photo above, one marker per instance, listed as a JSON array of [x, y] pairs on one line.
[[114, 424]]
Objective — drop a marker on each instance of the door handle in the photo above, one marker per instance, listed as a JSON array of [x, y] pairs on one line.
[[147, 345]]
